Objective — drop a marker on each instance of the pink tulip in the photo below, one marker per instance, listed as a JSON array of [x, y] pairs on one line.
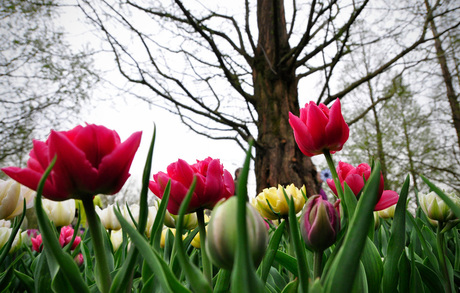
[[214, 183], [319, 128], [37, 243], [66, 236], [90, 160], [354, 177]]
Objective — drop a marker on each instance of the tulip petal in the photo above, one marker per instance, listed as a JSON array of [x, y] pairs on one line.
[[214, 184], [72, 170], [388, 198], [114, 168], [355, 182], [316, 124], [331, 185], [302, 136], [96, 142], [336, 130]]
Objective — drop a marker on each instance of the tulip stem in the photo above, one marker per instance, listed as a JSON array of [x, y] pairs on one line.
[[335, 176], [207, 267], [317, 264], [442, 256], [95, 229]]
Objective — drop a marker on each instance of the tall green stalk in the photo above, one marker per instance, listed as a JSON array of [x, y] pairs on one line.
[[95, 228], [207, 267], [442, 256]]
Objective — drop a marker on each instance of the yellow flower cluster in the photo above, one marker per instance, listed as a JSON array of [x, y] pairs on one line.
[[272, 204]]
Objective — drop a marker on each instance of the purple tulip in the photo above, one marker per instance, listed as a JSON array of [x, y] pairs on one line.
[[319, 223]]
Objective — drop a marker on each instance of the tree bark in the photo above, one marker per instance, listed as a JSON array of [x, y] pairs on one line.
[[278, 159], [446, 75]]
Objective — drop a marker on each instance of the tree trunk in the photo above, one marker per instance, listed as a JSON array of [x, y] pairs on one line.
[[278, 159], [447, 77]]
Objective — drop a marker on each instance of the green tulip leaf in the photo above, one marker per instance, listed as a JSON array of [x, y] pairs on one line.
[[299, 248], [269, 257], [123, 278], [56, 257], [373, 265], [244, 278], [196, 279], [396, 243], [345, 266], [287, 261], [165, 277]]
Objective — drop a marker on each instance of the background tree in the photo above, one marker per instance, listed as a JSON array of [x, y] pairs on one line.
[[42, 80], [234, 72]]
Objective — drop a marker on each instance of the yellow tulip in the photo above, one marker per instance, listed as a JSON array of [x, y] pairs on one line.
[[277, 205]]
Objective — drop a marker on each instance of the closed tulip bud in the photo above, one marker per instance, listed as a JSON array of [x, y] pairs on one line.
[[435, 208], [190, 220], [5, 223], [319, 223], [387, 213], [277, 206], [116, 237], [61, 213], [222, 234], [12, 195], [108, 218], [79, 259]]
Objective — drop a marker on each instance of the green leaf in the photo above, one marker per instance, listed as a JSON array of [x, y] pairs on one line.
[[42, 277], [299, 247], [123, 278], [194, 276], [26, 280], [396, 243], [342, 273], [291, 287], [373, 265], [223, 281], [244, 278], [269, 257], [287, 261], [427, 250], [165, 277], [350, 200], [55, 256]]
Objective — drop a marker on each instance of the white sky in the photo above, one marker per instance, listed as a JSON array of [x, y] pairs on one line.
[[173, 139]]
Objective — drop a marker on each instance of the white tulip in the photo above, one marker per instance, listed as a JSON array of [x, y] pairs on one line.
[[61, 213]]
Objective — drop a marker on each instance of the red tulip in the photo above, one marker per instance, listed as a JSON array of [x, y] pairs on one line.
[[214, 183], [90, 160], [319, 128], [354, 177]]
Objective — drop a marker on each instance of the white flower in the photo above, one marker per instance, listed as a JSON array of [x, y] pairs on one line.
[[12, 195], [116, 237], [435, 208], [108, 218], [5, 234], [61, 213]]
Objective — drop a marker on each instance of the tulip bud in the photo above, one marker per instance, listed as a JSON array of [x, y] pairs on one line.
[[435, 208], [61, 213], [222, 234], [319, 223], [108, 218], [190, 220], [387, 213], [116, 237], [12, 195], [79, 259]]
